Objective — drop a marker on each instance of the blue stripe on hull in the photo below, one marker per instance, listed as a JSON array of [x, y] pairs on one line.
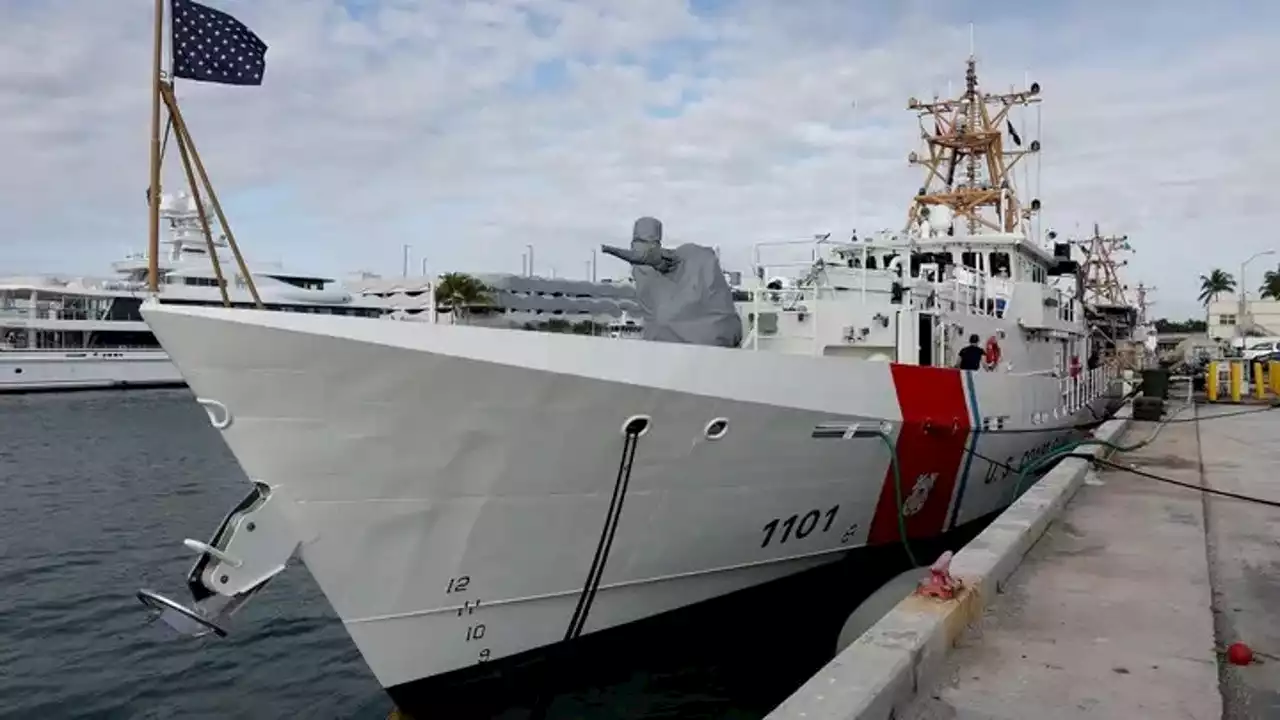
[[972, 395]]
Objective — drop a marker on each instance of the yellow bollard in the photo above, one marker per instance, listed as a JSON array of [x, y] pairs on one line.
[[1235, 379], [1211, 382], [1259, 387], [1273, 374]]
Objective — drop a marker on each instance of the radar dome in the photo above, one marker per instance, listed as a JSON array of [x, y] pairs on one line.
[[940, 218], [180, 201]]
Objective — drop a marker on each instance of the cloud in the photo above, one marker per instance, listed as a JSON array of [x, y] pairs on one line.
[[470, 129]]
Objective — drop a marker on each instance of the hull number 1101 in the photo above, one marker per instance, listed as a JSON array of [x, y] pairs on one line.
[[780, 530]]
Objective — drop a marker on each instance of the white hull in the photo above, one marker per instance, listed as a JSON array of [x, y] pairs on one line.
[[412, 456], [24, 371]]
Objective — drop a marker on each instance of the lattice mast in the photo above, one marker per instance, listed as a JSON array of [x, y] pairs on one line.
[[1100, 269], [1144, 302], [967, 166]]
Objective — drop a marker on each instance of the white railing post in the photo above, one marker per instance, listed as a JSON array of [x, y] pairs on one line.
[[864, 274], [813, 321], [755, 310]]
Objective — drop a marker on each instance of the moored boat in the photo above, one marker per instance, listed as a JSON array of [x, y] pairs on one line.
[[468, 497]]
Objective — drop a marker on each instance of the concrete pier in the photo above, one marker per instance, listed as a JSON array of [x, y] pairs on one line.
[[1120, 610]]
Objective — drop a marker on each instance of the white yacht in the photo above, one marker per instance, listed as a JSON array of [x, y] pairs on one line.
[[67, 332], [468, 498]]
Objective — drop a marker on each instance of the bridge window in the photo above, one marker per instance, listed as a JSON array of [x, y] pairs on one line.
[[1000, 263]]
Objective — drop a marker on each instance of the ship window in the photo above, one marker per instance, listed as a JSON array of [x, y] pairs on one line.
[[1000, 263], [940, 260]]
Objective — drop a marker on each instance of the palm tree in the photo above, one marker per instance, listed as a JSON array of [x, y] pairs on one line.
[[459, 292], [1214, 284], [1270, 288]]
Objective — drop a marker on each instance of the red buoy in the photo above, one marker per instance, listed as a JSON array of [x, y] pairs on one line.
[[1239, 654]]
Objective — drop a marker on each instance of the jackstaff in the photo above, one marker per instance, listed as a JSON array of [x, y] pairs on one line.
[[206, 45]]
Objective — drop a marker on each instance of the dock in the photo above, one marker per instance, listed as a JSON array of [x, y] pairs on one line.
[[1098, 594]]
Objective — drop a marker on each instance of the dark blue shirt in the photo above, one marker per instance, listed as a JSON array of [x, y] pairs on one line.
[[971, 357]]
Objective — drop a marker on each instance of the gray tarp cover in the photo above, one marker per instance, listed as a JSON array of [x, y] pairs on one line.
[[682, 293]]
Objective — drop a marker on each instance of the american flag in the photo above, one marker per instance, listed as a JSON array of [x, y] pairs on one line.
[[211, 46]]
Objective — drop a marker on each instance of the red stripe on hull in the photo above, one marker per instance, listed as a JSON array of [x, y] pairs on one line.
[[931, 448]]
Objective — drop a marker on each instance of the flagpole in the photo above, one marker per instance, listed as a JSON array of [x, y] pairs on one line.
[[153, 195]]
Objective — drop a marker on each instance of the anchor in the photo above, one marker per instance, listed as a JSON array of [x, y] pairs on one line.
[[252, 544]]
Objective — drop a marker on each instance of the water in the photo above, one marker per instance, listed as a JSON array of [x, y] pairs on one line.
[[98, 491]]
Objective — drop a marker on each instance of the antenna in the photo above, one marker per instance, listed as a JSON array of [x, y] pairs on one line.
[[854, 194], [1099, 271], [1144, 303], [1026, 168], [967, 166]]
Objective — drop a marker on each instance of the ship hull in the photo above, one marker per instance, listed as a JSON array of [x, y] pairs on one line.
[[51, 370], [464, 495], [754, 646]]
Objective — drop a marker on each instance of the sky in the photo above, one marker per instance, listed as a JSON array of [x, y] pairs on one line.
[[469, 130]]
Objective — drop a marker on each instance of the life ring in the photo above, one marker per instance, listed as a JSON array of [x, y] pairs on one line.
[[1074, 366], [991, 356]]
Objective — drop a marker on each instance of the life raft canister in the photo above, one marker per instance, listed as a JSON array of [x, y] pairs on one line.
[[991, 355]]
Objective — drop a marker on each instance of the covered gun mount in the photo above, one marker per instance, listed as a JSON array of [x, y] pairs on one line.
[[682, 292]]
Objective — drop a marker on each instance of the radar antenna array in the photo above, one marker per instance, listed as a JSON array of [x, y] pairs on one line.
[[968, 167], [1099, 272]]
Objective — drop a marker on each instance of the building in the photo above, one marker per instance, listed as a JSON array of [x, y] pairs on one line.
[[515, 301], [1225, 322], [1185, 347]]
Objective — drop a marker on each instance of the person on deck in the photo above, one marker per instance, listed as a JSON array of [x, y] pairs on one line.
[[971, 355]]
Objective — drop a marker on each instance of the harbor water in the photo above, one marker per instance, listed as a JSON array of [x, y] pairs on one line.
[[100, 488]]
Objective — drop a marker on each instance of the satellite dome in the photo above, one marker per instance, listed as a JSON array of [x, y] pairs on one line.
[[940, 218], [180, 201]]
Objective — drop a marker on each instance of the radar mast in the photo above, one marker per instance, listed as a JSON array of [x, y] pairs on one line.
[[967, 166], [1100, 270]]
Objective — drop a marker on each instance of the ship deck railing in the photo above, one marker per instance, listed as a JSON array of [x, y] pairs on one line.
[[78, 350]]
